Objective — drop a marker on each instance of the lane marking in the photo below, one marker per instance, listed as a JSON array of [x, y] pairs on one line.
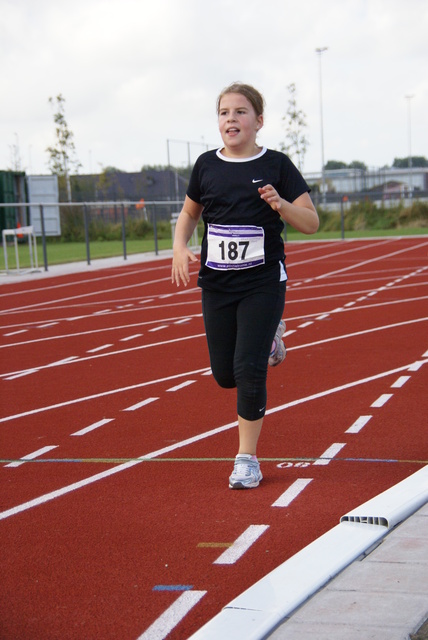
[[14, 333], [172, 616], [329, 454], [143, 403], [31, 456], [155, 454], [100, 348], [136, 335], [382, 400], [182, 385], [400, 382], [93, 426], [242, 544], [292, 492], [358, 424]]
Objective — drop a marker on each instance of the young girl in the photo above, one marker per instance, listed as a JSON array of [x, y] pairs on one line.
[[244, 193]]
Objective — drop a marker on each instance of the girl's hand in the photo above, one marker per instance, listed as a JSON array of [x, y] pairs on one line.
[[271, 197], [180, 265]]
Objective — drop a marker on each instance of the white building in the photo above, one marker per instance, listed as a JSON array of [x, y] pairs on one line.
[[388, 181]]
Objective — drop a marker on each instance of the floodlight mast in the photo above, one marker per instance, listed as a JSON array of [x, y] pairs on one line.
[[320, 51]]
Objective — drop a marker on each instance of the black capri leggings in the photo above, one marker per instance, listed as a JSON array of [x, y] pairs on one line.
[[240, 329]]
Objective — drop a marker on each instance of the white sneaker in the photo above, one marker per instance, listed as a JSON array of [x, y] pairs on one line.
[[279, 352], [246, 473]]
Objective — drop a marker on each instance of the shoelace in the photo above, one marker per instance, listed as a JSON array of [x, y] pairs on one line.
[[243, 469]]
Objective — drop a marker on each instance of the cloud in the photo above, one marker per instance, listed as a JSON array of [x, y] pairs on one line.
[[137, 75]]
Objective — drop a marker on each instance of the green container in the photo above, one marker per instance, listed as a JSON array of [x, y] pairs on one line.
[[11, 184]]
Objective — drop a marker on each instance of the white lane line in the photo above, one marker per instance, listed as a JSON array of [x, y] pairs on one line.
[[160, 328], [400, 382], [154, 454], [14, 333], [417, 365], [170, 618], [93, 426], [382, 400], [305, 324], [242, 544], [292, 492], [31, 456], [136, 335], [358, 424], [328, 455], [323, 316], [21, 374], [182, 385], [288, 333], [48, 324], [140, 404], [100, 348]]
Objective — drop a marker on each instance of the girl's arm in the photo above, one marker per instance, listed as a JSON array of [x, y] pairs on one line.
[[184, 228], [301, 213]]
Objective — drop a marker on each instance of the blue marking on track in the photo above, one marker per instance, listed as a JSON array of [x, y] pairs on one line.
[[173, 587]]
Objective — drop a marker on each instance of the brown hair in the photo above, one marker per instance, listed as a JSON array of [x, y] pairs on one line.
[[253, 96]]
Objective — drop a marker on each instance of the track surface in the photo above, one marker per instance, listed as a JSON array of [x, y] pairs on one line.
[[120, 523]]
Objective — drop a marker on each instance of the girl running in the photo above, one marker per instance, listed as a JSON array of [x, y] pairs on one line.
[[244, 193]]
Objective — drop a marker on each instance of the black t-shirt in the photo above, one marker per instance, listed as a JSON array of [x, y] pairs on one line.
[[235, 217]]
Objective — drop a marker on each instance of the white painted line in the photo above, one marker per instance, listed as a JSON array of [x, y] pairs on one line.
[[178, 445], [425, 355], [329, 454], [305, 324], [163, 626], [372, 293], [288, 333], [136, 335], [101, 348], [292, 492], [349, 304], [146, 301], [31, 456], [417, 365], [160, 328], [21, 374], [140, 404], [100, 313], [15, 333], [182, 385], [383, 399], [362, 299], [400, 382], [91, 427], [48, 324], [242, 544], [358, 424], [182, 321], [323, 316], [208, 373]]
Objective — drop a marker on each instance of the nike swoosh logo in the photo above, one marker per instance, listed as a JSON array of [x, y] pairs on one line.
[[254, 181]]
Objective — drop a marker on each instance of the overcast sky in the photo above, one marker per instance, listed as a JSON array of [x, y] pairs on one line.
[[138, 73]]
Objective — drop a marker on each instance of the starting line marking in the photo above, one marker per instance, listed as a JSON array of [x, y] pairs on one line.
[[292, 492], [31, 456], [242, 544], [172, 616], [358, 424], [330, 453], [382, 400]]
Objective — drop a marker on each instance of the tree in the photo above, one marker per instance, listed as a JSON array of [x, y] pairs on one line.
[[332, 165], [295, 121], [62, 155], [403, 163]]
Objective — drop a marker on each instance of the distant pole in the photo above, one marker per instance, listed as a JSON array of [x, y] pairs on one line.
[[319, 52], [409, 134]]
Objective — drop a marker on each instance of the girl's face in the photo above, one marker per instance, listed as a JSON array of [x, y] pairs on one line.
[[238, 125]]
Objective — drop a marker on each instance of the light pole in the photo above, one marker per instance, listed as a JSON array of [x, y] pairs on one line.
[[409, 133], [319, 52]]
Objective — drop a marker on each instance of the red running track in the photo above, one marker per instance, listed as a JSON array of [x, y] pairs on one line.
[[119, 523]]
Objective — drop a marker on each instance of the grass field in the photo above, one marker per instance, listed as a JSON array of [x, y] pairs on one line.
[[63, 252]]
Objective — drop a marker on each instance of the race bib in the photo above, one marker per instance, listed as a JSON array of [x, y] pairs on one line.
[[235, 246]]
